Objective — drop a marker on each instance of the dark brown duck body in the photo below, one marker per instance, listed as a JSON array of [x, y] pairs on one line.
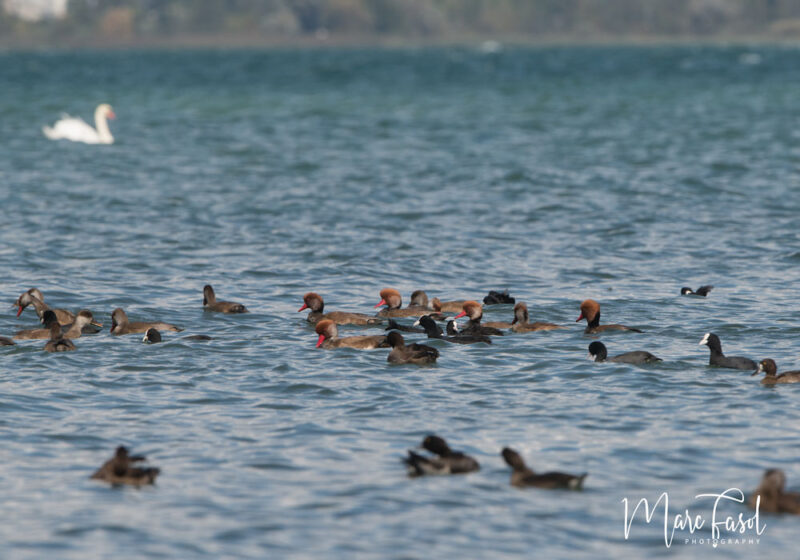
[[329, 338], [314, 302], [446, 461], [48, 319], [522, 476], [771, 496], [58, 342], [120, 469], [393, 301], [121, 325], [419, 354], [210, 303], [590, 310], [769, 368]]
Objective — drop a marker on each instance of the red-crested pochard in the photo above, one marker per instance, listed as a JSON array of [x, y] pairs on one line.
[[329, 338], [121, 325], [48, 319], [211, 304], [314, 302], [590, 310], [447, 306], [393, 302], [522, 476], [35, 298], [474, 311]]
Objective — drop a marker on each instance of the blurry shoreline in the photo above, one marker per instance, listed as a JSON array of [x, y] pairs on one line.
[[488, 42]]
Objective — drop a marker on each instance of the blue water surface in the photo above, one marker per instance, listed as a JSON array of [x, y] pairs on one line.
[[618, 174]]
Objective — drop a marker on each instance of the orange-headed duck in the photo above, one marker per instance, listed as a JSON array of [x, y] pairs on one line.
[[771, 497], [522, 476], [120, 470], [590, 310], [412, 354], [329, 338], [434, 331], [769, 367], [313, 301], [58, 342], [718, 359], [393, 301], [446, 461], [35, 298], [211, 304], [598, 353], [474, 311], [121, 325], [702, 291]]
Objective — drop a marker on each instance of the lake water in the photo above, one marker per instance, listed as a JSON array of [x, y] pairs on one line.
[[618, 174]]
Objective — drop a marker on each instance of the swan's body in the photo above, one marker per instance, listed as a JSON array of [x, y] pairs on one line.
[[77, 130]]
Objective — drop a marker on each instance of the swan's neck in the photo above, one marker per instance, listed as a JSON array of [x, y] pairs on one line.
[[103, 131]]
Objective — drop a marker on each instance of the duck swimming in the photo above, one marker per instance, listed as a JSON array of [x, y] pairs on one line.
[[393, 301], [474, 311], [58, 342], [329, 338], [210, 303], [419, 354], [590, 310], [314, 302], [771, 497], [48, 319], [121, 325], [522, 476], [120, 469], [35, 298], [719, 359], [769, 367], [446, 461], [598, 353]]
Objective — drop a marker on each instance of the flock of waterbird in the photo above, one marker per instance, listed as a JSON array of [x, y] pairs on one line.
[[62, 326]]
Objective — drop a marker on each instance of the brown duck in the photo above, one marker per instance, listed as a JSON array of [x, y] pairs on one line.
[[120, 470], [210, 303], [419, 354], [329, 338], [522, 476], [474, 311], [121, 325], [590, 310], [773, 498], [58, 342], [394, 306], [446, 461], [769, 367], [35, 298], [314, 302]]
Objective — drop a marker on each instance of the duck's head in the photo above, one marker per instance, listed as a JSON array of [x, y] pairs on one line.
[[589, 310], [471, 309], [326, 329], [312, 301], [390, 298]]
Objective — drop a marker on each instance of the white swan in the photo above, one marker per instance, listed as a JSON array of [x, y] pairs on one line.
[[76, 129]]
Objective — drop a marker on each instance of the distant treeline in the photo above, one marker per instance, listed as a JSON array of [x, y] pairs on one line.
[[125, 20]]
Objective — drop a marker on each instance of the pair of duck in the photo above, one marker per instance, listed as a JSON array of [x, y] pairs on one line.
[[401, 353], [446, 461]]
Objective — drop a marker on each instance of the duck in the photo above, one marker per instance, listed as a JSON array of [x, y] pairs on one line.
[[702, 291], [77, 130], [329, 338], [447, 306], [590, 310], [419, 299], [719, 359], [446, 461], [393, 301], [520, 324], [82, 319], [432, 330], [314, 302], [770, 496], [151, 336], [210, 303], [35, 298], [474, 311], [769, 367], [522, 476], [598, 353], [121, 325], [58, 342], [48, 319], [496, 298], [120, 469], [419, 354]]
